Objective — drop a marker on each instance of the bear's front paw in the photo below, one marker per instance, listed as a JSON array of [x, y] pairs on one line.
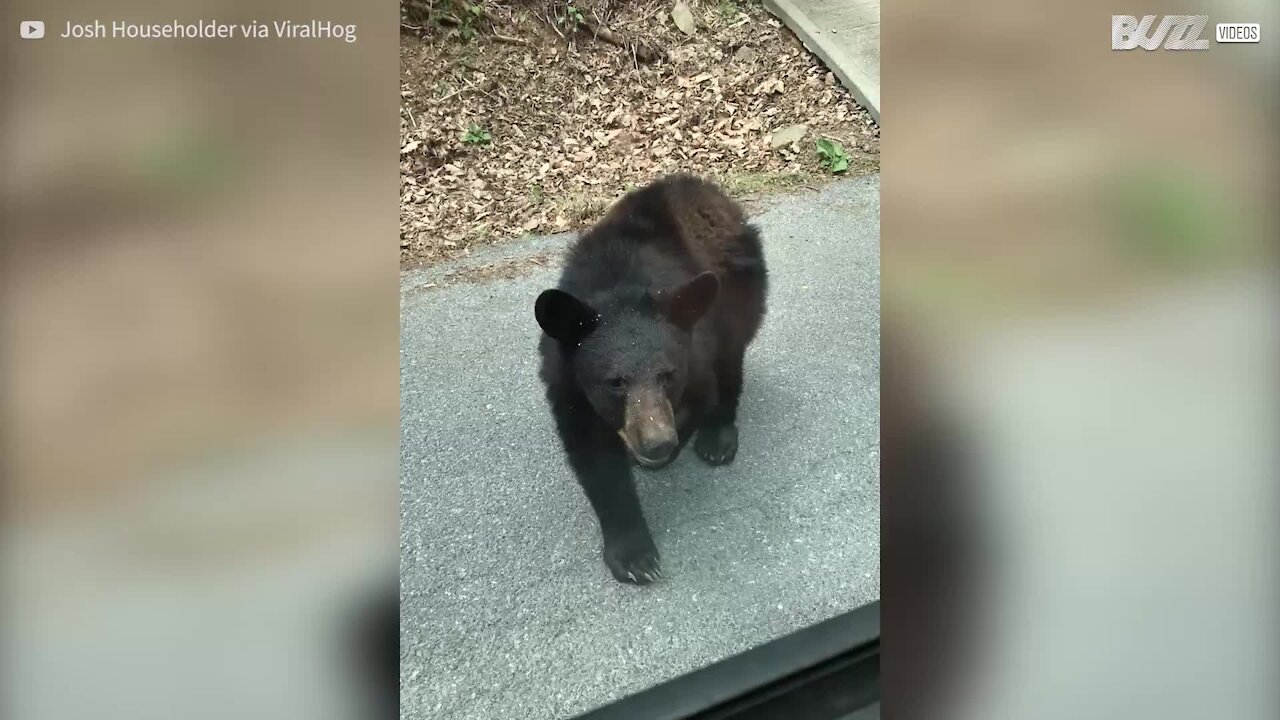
[[717, 444], [632, 559]]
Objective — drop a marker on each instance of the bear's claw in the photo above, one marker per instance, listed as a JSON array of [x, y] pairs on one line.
[[633, 561], [717, 444]]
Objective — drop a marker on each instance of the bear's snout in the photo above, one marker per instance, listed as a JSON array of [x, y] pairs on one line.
[[650, 426], [658, 448]]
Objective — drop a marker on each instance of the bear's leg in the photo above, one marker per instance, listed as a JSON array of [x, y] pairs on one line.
[[603, 469], [604, 472], [717, 441], [629, 551]]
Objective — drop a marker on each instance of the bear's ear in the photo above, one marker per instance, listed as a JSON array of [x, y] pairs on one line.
[[689, 302], [563, 316]]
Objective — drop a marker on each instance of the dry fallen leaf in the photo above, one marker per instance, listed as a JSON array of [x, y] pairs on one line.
[[683, 17], [772, 85], [787, 135], [585, 122]]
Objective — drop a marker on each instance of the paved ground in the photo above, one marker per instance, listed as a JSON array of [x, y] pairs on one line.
[[507, 609], [846, 35]]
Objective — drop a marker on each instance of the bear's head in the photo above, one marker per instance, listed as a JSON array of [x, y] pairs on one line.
[[628, 352]]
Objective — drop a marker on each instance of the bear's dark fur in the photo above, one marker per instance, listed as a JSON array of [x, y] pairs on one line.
[[643, 345]]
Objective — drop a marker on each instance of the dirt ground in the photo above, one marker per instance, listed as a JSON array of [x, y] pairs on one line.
[[519, 117]]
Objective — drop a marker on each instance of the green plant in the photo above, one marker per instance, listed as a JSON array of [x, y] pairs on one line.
[[477, 135], [727, 10], [1170, 216], [469, 12], [739, 184], [831, 155], [468, 57], [456, 18], [575, 14]]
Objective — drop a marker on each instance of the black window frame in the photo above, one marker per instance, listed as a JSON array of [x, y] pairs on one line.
[[826, 671]]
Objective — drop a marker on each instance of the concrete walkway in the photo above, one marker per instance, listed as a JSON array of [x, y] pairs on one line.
[[507, 609], [845, 34]]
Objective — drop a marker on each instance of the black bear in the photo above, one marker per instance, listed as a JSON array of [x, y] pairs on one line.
[[643, 345]]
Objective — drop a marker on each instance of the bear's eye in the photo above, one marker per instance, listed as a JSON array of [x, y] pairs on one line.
[[617, 383], [666, 377]]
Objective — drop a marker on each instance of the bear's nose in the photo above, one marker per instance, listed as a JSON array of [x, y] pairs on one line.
[[658, 447]]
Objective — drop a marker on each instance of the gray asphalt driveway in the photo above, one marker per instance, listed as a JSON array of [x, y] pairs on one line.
[[506, 608]]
